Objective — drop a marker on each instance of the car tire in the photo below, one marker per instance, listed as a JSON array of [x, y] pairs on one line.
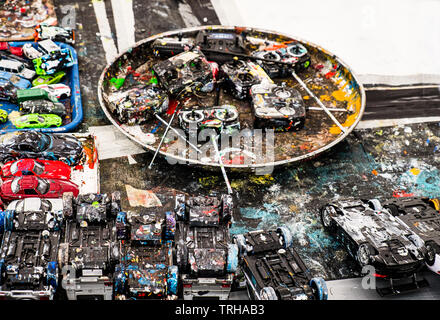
[[240, 241], [199, 116], [68, 205], [363, 254], [231, 118], [430, 253], [319, 288], [286, 237], [375, 204], [326, 217], [268, 293], [392, 208], [232, 260]]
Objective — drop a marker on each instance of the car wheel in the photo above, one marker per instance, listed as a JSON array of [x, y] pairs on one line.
[[375, 204], [285, 237], [319, 288], [327, 214], [392, 208], [240, 241], [194, 116], [363, 254], [430, 254], [268, 293]]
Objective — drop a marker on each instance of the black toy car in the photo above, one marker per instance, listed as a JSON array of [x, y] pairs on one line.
[[372, 236], [137, 105], [28, 254], [146, 267], [90, 250], [422, 216], [186, 72], [274, 270], [8, 91], [241, 75], [213, 43], [32, 144], [168, 47], [222, 119], [293, 53], [206, 258], [43, 106], [277, 106]]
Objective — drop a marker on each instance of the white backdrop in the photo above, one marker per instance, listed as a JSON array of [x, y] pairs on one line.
[[393, 42]]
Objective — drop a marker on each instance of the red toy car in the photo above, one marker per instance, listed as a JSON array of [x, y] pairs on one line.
[[36, 187], [32, 167]]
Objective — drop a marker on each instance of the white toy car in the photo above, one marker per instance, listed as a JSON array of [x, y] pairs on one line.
[[30, 52], [58, 90]]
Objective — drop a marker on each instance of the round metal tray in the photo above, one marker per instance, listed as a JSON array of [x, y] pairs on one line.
[[328, 78]]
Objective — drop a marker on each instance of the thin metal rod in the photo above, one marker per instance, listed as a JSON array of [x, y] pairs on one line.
[[329, 109], [225, 176], [323, 107], [163, 138], [177, 132]]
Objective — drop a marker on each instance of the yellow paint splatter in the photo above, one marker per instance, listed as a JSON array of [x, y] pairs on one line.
[[340, 95], [325, 97], [264, 179], [209, 181], [415, 171], [306, 97]]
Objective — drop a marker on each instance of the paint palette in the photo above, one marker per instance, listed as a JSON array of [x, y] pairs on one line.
[[333, 98], [72, 104]]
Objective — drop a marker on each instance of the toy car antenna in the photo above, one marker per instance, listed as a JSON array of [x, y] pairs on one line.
[[222, 167]]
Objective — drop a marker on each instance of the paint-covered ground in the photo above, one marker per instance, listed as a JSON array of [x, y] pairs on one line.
[[370, 163]]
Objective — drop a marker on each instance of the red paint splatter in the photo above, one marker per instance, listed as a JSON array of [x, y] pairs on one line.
[[172, 105], [402, 194], [330, 74]]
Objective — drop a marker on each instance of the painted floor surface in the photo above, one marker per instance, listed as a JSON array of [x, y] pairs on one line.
[[370, 163]]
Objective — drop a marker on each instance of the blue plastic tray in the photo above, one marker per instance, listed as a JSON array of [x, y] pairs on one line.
[[71, 79]]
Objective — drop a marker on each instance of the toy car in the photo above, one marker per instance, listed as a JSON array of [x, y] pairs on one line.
[[30, 52], [33, 167], [37, 120], [146, 268], [3, 116], [277, 106], [241, 75], [29, 250], [274, 270], [17, 68], [223, 119], [61, 91], [422, 216], [49, 79], [294, 53], [8, 91], [36, 187], [372, 236], [43, 106], [89, 250], [137, 105], [32, 144], [15, 80], [188, 71], [206, 258], [44, 31], [53, 62], [167, 47], [34, 94], [213, 43]]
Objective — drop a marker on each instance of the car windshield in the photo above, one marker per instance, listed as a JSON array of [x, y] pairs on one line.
[[14, 79], [14, 167], [44, 142], [41, 119], [43, 186], [38, 168], [20, 68], [15, 187]]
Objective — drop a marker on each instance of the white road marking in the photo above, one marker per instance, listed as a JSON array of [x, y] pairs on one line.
[[368, 124], [123, 16], [187, 15], [104, 30], [111, 143]]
